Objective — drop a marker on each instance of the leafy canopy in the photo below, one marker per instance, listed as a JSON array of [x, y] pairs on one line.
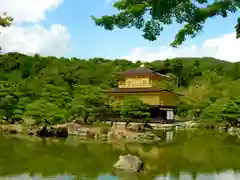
[[131, 107], [231, 111], [151, 16], [5, 20], [36, 89], [86, 99]]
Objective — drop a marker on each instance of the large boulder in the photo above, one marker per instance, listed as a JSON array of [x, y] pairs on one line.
[[233, 131], [148, 137], [129, 163], [61, 132]]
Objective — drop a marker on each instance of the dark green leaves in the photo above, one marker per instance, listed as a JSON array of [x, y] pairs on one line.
[[132, 107], [5, 20], [238, 29], [150, 16], [152, 29], [231, 111], [59, 90]]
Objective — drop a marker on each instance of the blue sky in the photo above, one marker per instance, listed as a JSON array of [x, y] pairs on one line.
[[88, 40], [32, 33]]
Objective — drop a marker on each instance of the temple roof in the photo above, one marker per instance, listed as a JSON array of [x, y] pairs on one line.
[[137, 90], [142, 70]]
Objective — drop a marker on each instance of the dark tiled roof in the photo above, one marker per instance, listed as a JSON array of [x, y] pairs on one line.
[[140, 71], [136, 90]]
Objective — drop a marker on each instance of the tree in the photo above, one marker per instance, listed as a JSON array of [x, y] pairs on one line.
[[166, 64], [86, 100], [5, 20], [238, 28], [132, 107], [45, 87], [195, 99], [212, 113], [231, 112], [193, 14], [177, 68], [43, 111], [8, 99]]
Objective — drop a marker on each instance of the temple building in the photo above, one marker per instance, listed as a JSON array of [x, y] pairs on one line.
[[143, 82]]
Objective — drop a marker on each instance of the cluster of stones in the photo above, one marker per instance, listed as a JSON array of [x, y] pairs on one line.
[[158, 126], [147, 137], [9, 130]]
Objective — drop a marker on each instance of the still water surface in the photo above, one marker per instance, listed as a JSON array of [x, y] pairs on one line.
[[183, 156]]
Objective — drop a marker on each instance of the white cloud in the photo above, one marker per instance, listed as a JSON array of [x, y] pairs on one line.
[[33, 38], [225, 48], [28, 10]]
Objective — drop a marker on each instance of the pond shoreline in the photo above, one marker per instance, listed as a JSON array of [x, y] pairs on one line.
[[135, 132]]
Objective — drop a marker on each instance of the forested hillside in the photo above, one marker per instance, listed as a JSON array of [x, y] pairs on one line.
[[59, 90]]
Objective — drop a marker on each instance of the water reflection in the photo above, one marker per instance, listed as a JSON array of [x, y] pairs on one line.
[[228, 175], [37, 177], [169, 135], [183, 156]]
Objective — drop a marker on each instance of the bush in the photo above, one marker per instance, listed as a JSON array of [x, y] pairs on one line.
[[29, 121]]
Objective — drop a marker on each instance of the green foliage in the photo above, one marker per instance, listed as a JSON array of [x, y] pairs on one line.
[[151, 16], [231, 111], [212, 113], [86, 100], [238, 28], [35, 88], [42, 110], [132, 107], [5, 20]]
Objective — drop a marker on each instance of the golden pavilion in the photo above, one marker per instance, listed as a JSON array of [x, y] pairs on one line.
[[144, 83]]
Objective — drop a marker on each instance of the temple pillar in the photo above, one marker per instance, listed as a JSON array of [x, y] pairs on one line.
[[170, 114]]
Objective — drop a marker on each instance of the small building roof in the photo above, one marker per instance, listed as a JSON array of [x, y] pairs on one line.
[[137, 90], [142, 70]]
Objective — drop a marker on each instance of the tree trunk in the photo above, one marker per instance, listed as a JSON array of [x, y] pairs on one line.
[[85, 118], [126, 124], [177, 80]]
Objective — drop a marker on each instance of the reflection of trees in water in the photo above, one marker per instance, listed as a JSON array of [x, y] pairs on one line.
[[195, 152], [191, 152], [187, 176], [50, 158], [169, 135]]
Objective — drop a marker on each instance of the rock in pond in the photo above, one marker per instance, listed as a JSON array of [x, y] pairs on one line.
[[12, 129], [148, 137], [52, 132], [129, 163]]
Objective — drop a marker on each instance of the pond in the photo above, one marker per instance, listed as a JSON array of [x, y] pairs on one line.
[[192, 155]]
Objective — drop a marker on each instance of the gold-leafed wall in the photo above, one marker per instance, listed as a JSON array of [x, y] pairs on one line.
[[157, 98], [135, 83], [138, 82]]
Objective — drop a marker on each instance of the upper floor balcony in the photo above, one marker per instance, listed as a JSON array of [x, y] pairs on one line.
[[139, 83]]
